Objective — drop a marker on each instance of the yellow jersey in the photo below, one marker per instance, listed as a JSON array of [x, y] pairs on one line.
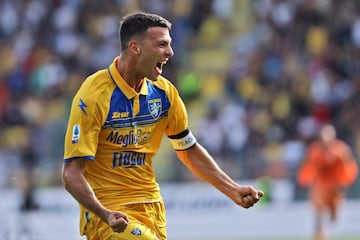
[[119, 131]]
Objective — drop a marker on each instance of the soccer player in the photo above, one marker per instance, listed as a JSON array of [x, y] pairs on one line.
[[117, 120], [328, 169]]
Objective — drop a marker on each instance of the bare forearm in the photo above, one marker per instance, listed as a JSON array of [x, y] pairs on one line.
[[199, 162], [79, 188]]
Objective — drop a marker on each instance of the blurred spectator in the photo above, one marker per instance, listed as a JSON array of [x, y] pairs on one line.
[[328, 169], [277, 70], [29, 161]]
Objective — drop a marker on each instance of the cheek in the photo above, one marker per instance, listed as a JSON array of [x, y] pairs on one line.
[[143, 62], [146, 58]]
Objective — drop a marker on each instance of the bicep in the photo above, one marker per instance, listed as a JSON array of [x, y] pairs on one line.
[[73, 169], [189, 155], [197, 158]]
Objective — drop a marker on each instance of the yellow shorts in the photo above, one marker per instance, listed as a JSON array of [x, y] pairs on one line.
[[147, 222]]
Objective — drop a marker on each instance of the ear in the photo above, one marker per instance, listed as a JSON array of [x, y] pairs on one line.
[[134, 47]]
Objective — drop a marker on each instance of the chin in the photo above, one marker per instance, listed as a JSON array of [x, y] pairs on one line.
[[154, 78]]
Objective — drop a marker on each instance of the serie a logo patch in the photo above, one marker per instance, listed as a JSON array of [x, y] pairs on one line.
[[75, 134]]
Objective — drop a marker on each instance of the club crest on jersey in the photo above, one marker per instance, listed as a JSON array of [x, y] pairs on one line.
[[154, 106], [136, 232]]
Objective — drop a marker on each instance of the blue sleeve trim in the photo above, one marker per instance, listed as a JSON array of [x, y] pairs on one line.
[[87, 217], [73, 158]]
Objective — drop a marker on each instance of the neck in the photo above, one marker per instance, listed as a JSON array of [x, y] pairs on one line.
[[126, 70]]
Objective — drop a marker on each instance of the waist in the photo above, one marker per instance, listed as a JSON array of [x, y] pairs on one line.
[[111, 197]]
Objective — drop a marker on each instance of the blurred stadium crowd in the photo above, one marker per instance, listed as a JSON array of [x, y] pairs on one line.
[[258, 77]]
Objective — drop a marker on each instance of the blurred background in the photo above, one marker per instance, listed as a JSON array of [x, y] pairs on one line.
[[258, 78]]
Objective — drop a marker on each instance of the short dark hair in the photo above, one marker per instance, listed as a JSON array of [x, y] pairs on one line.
[[136, 24]]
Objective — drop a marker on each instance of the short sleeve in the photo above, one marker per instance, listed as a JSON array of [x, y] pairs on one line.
[[83, 127], [177, 129]]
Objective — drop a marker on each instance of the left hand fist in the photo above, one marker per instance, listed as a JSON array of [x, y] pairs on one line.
[[248, 196]]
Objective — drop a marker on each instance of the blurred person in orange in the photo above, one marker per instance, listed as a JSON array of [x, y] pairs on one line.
[[328, 169], [117, 121]]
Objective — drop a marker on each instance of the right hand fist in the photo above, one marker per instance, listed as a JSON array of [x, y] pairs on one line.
[[118, 221]]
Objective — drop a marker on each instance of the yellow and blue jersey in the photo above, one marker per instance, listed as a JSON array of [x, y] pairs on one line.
[[119, 131]]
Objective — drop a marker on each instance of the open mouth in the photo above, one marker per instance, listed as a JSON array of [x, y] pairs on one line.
[[159, 66]]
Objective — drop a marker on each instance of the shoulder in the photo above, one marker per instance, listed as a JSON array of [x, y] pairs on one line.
[[96, 85], [341, 145], [167, 88], [315, 145], [164, 84]]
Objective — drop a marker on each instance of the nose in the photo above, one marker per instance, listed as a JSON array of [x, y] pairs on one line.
[[169, 52]]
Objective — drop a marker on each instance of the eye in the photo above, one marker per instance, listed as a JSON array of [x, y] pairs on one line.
[[164, 44]]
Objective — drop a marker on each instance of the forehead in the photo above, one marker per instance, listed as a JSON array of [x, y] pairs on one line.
[[158, 33]]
